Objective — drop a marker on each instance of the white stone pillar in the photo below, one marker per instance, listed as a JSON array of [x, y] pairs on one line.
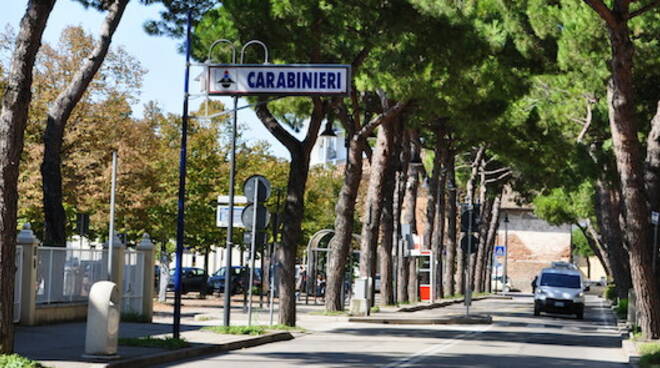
[[146, 247], [28, 276]]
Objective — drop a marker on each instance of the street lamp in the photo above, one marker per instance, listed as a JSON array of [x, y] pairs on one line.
[[328, 132]]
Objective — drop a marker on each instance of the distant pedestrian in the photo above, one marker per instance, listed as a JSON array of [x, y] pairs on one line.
[[536, 279]]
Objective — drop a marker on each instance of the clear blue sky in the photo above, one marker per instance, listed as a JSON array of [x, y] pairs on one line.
[[164, 80]]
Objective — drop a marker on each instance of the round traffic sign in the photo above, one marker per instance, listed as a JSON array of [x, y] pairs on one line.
[[263, 217], [251, 185]]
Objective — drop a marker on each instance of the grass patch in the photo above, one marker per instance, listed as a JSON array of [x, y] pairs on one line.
[[201, 317], [328, 313], [168, 343], [134, 317], [17, 361], [650, 354], [250, 330], [375, 309]]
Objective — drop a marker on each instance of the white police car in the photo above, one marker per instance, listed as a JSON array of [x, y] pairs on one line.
[[560, 290]]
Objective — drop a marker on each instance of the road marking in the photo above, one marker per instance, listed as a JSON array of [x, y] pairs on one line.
[[535, 325], [412, 359]]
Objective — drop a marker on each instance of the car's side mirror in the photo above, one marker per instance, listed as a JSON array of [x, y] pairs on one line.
[[587, 288]]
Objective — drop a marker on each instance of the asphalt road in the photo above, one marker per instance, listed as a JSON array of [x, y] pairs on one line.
[[515, 339]]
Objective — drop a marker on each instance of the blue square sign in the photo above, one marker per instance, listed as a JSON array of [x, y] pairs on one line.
[[500, 250]]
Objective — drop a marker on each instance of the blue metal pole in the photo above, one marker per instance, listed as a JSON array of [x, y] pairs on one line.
[[182, 189]]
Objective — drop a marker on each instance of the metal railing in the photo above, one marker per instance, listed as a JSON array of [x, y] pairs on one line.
[[66, 275], [18, 278]]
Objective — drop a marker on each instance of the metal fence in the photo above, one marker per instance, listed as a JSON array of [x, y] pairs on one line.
[[66, 275], [18, 278], [133, 282]]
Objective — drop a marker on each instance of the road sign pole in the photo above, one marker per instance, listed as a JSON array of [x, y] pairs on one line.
[[506, 251], [468, 283], [176, 325], [230, 220], [655, 246], [253, 243]]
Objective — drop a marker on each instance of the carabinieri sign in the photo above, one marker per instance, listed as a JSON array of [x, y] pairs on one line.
[[270, 79]]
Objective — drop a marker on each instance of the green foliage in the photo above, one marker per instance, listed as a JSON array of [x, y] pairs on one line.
[[561, 206], [649, 355], [375, 309], [17, 361], [580, 244], [249, 330], [621, 308], [610, 292], [168, 343]]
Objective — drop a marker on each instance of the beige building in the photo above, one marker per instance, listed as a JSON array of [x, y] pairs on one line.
[[533, 244]]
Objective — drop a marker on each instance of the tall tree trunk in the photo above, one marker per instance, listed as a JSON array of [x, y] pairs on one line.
[[340, 245], [409, 217], [627, 150], [467, 261], [16, 98], [294, 202], [487, 213], [402, 181], [490, 234], [607, 210], [450, 256], [652, 163], [595, 242], [437, 240], [373, 202], [387, 221], [58, 114], [629, 163]]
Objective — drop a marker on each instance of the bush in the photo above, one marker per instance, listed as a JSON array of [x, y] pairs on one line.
[[650, 355], [621, 309], [610, 292], [17, 361], [134, 317]]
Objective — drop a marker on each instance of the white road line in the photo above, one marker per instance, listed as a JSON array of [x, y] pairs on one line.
[[412, 359]]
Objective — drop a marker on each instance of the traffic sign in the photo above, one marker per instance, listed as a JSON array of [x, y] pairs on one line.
[[260, 241], [655, 217], [262, 216], [238, 199], [222, 216], [465, 219], [280, 79], [251, 184], [500, 250]]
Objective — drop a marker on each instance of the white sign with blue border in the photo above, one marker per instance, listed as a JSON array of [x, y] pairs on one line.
[[281, 79]]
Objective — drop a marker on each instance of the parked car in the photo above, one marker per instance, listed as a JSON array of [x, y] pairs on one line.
[[560, 290], [192, 279], [239, 279]]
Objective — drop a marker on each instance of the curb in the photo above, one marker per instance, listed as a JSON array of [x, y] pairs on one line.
[[449, 302], [455, 320], [198, 350]]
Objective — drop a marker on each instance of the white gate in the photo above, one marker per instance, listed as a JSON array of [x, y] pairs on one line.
[[133, 283], [18, 278]]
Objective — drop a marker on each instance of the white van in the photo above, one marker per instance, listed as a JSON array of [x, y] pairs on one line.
[[560, 290]]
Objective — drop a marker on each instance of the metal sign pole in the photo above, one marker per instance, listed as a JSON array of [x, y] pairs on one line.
[[230, 220], [655, 245], [506, 252], [111, 231], [182, 188], [253, 244], [468, 284]]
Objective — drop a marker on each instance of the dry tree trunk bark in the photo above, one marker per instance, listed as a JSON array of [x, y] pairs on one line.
[[450, 257], [16, 99], [56, 119]]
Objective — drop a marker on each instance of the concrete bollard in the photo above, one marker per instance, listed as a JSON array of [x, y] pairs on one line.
[[102, 320], [146, 246], [29, 286]]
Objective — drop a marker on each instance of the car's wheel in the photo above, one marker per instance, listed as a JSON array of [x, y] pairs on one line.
[[537, 310]]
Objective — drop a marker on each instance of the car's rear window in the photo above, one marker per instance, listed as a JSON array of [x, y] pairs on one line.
[[560, 280]]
